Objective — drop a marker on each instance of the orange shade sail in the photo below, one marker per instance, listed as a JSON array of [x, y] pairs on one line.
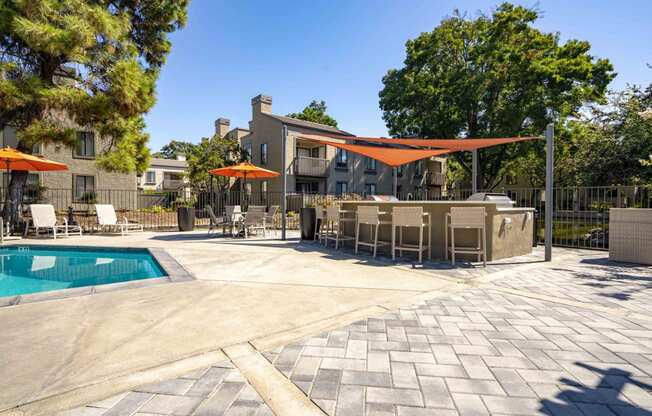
[[388, 155], [12, 159], [453, 144], [244, 170]]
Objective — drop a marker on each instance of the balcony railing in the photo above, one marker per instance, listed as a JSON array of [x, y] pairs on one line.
[[310, 166], [435, 178], [172, 184]]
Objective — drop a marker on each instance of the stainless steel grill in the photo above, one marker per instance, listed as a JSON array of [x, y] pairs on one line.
[[501, 200]]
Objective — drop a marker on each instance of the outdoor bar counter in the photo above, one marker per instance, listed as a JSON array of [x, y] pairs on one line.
[[509, 230]]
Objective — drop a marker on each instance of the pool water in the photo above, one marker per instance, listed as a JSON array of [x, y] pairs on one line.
[[30, 269]]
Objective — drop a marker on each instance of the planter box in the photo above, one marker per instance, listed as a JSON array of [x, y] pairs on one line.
[[186, 218], [308, 217], [630, 235]]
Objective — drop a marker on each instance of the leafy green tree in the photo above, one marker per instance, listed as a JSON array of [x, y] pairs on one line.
[[212, 153], [174, 149], [91, 63], [493, 76], [605, 146], [315, 112]]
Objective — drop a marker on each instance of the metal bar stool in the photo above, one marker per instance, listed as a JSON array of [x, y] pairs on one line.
[[410, 217], [336, 220], [369, 216], [467, 218], [320, 222]]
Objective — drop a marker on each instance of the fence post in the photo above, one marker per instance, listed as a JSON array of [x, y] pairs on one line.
[[284, 181], [549, 189], [474, 171]]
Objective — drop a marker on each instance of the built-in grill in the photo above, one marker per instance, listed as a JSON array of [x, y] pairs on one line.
[[501, 200]]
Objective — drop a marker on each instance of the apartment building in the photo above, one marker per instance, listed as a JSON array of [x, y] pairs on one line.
[[164, 175], [317, 168], [83, 178]]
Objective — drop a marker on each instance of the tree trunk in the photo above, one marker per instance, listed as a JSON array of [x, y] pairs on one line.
[[14, 197]]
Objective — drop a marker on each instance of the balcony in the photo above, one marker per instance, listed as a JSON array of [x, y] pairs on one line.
[[172, 184], [310, 166], [435, 178]]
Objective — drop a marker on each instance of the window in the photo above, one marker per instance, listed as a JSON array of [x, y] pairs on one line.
[[84, 188], [247, 150], [370, 164], [370, 188], [263, 153], [33, 180], [342, 158], [341, 188], [85, 145], [150, 177]]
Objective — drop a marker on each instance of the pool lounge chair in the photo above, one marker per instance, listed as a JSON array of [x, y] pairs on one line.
[[44, 218], [106, 218]]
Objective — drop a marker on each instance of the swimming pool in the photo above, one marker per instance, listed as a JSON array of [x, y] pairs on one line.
[[31, 269]]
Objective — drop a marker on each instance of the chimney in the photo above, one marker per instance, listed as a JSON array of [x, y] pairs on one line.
[[222, 126], [261, 104]]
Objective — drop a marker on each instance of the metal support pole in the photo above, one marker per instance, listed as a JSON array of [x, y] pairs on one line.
[[474, 171], [284, 183], [550, 146], [395, 181]]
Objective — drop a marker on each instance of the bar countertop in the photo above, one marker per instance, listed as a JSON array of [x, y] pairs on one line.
[[509, 230]]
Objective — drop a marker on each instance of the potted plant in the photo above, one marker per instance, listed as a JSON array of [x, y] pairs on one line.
[[307, 219], [186, 214]]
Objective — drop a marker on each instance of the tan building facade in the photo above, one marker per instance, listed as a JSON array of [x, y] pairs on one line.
[[164, 175], [317, 168], [84, 181]]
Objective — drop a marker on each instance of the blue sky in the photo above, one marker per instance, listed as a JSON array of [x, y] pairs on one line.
[[339, 50]]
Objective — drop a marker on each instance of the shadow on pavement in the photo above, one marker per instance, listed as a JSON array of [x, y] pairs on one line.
[[607, 393]]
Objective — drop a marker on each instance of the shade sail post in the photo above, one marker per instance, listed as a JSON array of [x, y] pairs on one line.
[[284, 180], [395, 181], [474, 171], [550, 147]]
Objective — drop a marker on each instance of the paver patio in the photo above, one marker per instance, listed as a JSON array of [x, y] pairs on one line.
[[551, 339]]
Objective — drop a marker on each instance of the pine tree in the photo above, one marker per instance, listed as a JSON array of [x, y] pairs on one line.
[[67, 63]]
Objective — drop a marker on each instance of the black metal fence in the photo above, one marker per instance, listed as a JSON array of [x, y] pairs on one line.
[[580, 218]]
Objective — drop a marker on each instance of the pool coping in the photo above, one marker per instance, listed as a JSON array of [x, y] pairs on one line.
[[174, 271]]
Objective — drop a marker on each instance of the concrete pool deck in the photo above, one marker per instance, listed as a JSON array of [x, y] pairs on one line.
[[66, 352]]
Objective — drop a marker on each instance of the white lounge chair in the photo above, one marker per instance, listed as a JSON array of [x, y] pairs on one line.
[[44, 218], [106, 218]]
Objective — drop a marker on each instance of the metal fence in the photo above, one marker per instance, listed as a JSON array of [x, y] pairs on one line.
[[580, 217]]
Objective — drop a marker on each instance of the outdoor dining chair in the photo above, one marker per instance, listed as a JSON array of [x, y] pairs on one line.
[[270, 217], [254, 219], [232, 218]]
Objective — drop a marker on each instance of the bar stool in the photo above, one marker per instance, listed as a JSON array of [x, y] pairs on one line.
[[320, 222], [468, 218], [335, 218], [369, 216], [403, 217]]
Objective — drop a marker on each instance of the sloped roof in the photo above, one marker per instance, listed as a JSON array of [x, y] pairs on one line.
[[171, 163], [308, 124]]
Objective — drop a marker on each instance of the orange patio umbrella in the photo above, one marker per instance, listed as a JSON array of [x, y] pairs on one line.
[[244, 170], [12, 159]]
